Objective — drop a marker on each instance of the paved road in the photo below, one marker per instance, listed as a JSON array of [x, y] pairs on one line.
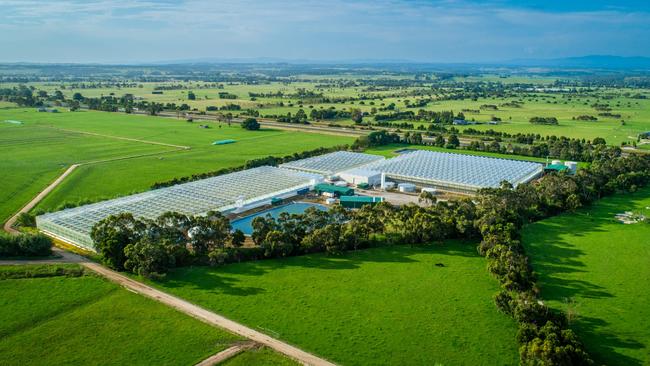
[[208, 316]]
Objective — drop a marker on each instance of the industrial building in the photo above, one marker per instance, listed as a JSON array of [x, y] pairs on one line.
[[333, 163], [452, 172], [238, 191], [360, 176], [359, 201]]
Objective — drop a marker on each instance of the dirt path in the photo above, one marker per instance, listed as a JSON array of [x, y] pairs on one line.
[[208, 316], [123, 138], [12, 220], [226, 354]]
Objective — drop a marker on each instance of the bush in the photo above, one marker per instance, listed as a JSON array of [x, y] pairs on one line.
[[250, 124], [28, 245]]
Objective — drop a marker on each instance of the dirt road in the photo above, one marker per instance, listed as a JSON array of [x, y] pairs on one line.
[[208, 316], [226, 354]]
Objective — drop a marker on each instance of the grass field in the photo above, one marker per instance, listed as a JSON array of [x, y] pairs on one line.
[[89, 321], [594, 266], [387, 305], [564, 106], [46, 143], [259, 357]]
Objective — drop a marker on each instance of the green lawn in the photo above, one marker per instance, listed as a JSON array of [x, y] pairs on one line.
[[592, 265], [90, 321], [388, 305], [41, 148], [259, 357]]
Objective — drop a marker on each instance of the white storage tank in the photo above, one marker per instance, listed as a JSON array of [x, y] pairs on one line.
[[572, 165], [330, 201], [406, 187], [389, 185], [556, 162], [429, 189]]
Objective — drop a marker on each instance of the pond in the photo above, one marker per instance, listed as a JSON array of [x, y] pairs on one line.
[[245, 224]]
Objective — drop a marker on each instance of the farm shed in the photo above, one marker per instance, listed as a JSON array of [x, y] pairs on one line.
[[333, 163], [333, 190], [237, 191], [456, 172], [359, 201], [361, 176]]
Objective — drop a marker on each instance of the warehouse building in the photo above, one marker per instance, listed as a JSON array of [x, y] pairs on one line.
[[452, 172], [333, 163], [238, 191], [361, 177]]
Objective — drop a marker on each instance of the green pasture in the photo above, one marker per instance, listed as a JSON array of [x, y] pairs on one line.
[[389, 305], [90, 321], [40, 149], [597, 269]]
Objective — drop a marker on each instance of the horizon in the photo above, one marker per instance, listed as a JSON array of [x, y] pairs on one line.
[[129, 32]]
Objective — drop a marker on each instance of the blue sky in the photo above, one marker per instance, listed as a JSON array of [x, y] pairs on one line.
[[116, 31]]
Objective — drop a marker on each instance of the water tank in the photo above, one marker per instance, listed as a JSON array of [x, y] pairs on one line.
[[389, 185], [572, 165], [341, 183], [429, 189], [406, 187], [556, 162], [330, 201]]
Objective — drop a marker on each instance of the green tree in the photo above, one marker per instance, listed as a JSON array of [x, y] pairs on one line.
[[250, 124]]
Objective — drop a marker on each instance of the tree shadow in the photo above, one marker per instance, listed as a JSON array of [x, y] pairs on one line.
[[224, 279], [563, 274]]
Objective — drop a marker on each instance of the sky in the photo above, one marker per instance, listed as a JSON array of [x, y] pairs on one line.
[[141, 31]]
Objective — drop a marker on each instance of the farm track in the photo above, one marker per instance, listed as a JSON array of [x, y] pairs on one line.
[[226, 354], [208, 316]]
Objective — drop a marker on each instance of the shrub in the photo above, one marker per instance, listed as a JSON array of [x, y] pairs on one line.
[[28, 245]]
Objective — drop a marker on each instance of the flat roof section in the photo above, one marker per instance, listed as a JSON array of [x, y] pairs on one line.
[[463, 171], [332, 163]]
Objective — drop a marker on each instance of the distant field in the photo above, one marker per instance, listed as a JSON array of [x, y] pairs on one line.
[[634, 113], [593, 265], [90, 321], [39, 150], [391, 305]]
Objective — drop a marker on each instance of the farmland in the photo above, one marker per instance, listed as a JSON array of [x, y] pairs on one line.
[[45, 144], [365, 305], [87, 320], [628, 110], [597, 268]]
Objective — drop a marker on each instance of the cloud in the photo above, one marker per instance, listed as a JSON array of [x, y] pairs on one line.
[[147, 30]]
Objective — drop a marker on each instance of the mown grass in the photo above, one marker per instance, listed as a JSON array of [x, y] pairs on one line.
[[89, 321], [259, 357], [40, 149], [597, 268], [389, 305]]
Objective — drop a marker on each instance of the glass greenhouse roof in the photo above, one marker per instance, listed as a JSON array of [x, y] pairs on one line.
[[460, 170], [221, 193], [332, 163]]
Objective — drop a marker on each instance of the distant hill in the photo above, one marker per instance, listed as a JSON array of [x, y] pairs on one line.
[[590, 62]]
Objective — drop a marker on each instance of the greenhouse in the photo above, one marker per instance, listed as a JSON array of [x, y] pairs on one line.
[[333, 163], [456, 172], [230, 192]]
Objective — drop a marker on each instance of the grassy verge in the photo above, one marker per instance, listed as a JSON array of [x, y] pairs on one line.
[[596, 269]]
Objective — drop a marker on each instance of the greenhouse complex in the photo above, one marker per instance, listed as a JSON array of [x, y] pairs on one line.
[[458, 173], [238, 191], [241, 191]]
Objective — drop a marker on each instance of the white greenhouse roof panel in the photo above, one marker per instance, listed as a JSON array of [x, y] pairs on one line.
[[460, 170], [332, 163], [221, 193]]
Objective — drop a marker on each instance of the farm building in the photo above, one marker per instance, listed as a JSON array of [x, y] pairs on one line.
[[360, 176], [333, 190], [456, 172], [333, 163], [226, 193], [359, 201]]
